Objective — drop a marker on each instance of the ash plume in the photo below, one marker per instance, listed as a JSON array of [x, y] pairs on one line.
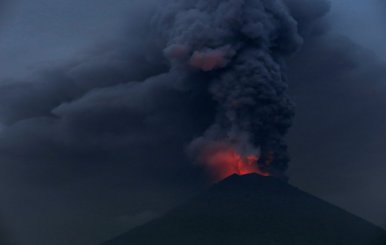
[[203, 75], [200, 74], [240, 47]]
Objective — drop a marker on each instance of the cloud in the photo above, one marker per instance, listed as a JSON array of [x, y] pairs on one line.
[[105, 136]]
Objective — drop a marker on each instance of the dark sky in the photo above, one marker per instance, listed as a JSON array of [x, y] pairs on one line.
[[86, 155]]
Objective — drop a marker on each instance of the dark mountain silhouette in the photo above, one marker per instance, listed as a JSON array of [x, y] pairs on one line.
[[252, 209]]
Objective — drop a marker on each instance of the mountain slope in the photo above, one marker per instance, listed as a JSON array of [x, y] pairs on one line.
[[252, 209]]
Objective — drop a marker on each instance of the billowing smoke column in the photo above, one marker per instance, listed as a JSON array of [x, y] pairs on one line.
[[239, 45]]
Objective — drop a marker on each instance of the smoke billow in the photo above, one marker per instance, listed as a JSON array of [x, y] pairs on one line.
[[109, 130], [201, 74], [206, 76], [240, 46]]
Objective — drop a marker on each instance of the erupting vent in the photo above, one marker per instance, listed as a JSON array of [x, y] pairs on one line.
[[224, 161]]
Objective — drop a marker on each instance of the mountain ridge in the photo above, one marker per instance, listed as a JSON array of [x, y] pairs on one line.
[[253, 209]]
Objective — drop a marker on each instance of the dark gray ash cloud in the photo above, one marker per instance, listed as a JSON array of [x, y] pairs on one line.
[[98, 145], [238, 47]]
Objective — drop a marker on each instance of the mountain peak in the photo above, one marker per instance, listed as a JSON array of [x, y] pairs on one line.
[[252, 179], [253, 209]]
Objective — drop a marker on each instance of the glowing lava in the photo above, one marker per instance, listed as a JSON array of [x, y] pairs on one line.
[[225, 161]]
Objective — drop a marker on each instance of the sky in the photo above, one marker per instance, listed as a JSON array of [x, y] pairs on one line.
[[366, 31], [86, 155]]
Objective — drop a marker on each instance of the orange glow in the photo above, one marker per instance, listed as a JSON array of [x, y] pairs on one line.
[[208, 60], [224, 161]]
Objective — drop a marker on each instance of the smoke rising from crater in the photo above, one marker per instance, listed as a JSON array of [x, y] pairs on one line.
[[240, 46], [110, 127], [203, 76]]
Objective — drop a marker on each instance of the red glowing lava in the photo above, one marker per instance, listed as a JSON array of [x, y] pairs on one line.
[[225, 161]]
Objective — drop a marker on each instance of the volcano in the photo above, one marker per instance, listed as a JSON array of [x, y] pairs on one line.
[[252, 209]]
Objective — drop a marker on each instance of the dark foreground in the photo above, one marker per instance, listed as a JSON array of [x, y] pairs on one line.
[[251, 209]]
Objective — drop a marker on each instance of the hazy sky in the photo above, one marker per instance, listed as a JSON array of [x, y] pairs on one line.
[[35, 34], [72, 56], [38, 33], [363, 21]]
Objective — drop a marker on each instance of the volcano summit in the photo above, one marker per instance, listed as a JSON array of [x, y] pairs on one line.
[[252, 209]]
